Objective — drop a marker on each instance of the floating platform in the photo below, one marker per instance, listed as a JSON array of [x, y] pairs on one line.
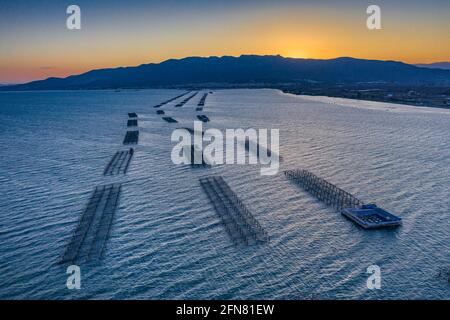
[[182, 103], [131, 137], [201, 103], [192, 151], [203, 118], [170, 119], [92, 231], [170, 100], [132, 123], [119, 163], [237, 220], [369, 216], [132, 115], [259, 149], [191, 131], [160, 112]]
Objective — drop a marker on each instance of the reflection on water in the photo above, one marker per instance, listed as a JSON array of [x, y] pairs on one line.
[[166, 240]]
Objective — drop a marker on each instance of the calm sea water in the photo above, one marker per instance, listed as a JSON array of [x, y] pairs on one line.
[[167, 242]]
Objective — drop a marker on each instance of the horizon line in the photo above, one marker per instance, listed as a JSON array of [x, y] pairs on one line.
[[214, 56]]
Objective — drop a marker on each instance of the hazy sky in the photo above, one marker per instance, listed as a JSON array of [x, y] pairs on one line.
[[35, 43]]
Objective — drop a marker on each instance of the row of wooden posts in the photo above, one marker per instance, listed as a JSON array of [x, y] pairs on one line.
[[323, 190], [238, 221]]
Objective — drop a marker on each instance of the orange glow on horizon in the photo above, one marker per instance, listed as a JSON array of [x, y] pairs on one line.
[[293, 33]]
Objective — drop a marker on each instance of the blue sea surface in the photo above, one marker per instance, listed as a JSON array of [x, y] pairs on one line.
[[166, 240]]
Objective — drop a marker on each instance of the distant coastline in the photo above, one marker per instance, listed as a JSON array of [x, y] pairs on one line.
[[249, 70], [420, 96], [425, 97], [345, 77]]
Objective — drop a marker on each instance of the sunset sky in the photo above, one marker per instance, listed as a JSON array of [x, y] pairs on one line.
[[35, 43]]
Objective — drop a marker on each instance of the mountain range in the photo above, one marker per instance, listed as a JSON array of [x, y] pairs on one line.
[[246, 69], [436, 65]]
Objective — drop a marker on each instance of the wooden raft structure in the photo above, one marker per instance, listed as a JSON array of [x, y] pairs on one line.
[[182, 103], [203, 118], [238, 221], [201, 103], [132, 123], [92, 231], [323, 190], [259, 149], [119, 163], [169, 120], [170, 100], [192, 131], [131, 137]]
